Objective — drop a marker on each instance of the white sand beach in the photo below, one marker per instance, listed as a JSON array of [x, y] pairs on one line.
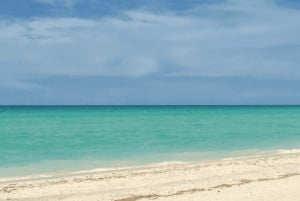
[[264, 178]]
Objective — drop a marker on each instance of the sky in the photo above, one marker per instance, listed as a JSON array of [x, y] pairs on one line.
[[148, 52]]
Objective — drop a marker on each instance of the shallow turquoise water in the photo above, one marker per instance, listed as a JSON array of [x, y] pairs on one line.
[[78, 137]]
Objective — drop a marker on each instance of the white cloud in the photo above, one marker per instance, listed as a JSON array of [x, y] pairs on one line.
[[65, 3], [236, 38]]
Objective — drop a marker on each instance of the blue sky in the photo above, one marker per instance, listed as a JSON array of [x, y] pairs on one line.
[[149, 52]]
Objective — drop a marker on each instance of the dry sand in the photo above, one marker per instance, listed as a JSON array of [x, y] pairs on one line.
[[268, 178]]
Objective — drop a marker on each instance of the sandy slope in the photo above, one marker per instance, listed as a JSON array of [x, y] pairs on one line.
[[260, 178]]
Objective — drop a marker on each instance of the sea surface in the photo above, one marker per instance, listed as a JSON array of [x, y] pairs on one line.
[[38, 139]]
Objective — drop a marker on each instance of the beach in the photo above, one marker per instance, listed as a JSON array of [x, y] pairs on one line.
[[140, 153], [149, 100], [268, 178]]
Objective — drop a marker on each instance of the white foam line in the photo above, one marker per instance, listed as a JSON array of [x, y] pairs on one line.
[[146, 166]]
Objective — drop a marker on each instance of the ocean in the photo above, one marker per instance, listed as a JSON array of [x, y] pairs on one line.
[[40, 139]]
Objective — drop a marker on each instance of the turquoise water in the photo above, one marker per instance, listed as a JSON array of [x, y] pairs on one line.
[[52, 138]]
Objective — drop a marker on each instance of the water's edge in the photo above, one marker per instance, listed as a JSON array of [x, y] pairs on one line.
[[63, 174]]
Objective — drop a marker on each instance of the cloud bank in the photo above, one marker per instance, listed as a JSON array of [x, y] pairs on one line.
[[257, 40]]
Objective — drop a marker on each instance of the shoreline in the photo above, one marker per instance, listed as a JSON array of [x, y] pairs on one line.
[[167, 181], [246, 154]]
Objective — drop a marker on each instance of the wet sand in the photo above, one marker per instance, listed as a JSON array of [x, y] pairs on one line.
[[266, 178]]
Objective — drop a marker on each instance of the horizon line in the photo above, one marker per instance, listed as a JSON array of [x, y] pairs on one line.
[[137, 105]]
